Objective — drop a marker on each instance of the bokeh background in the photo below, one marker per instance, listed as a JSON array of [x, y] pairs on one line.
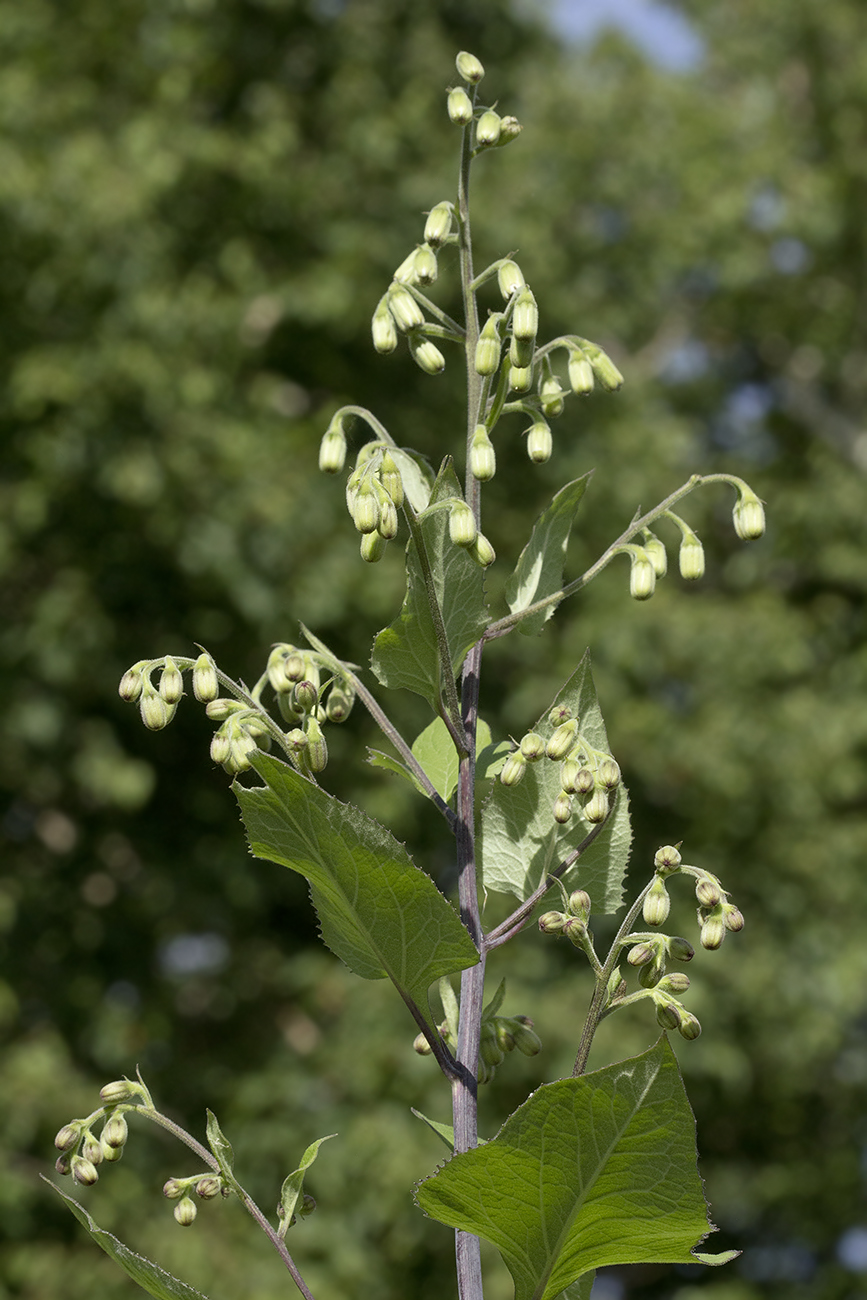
[[201, 202]]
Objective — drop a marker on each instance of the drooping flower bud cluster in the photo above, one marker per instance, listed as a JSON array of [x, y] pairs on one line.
[[206, 1186], [588, 776], [374, 494], [716, 915], [573, 920], [650, 953], [158, 703], [499, 1036], [82, 1151]]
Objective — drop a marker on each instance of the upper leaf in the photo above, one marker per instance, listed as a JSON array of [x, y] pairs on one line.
[[435, 750], [378, 912], [520, 842], [293, 1184], [220, 1146], [539, 571], [405, 653], [149, 1276], [587, 1172]]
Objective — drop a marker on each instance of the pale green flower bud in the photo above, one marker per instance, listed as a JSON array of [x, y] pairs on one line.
[[185, 1212], [130, 687], [460, 107], [657, 554], [642, 575], [120, 1090], [421, 1045], [667, 857], [585, 781], [580, 373], [510, 129], [482, 551], [406, 272], [63, 1164], [241, 745], [520, 378], [425, 264], [68, 1137], [462, 524], [388, 522], [171, 682], [605, 372], [509, 278], [691, 558], [110, 1154], [641, 953], [552, 922], [540, 443], [749, 516], [155, 713], [383, 329], [733, 917], [316, 753], [521, 352], [373, 546], [679, 949], [513, 769], [404, 308], [707, 891], [84, 1172], [483, 458], [206, 687], [676, 982], [389, 476], [525, 316], [305, 697], [332, 451], [668, 1014], [489, 1049], [297, 740], [221, 709], [533, 746], [489, 346], [569, 775], [115, 1131], [173, 1188], [608, 775], [579, 904], [650, 974], [91, 1149], [209, 1187], [526, 1038], [689, 1026], [596, 808], [426, 355], [488, 129], [562, 740], [657, 903], [562, 808], [505, 1037], [559, 714], [713, 931], [365, 508], [438, 226], [339, 704], [550, 392], [469, 68]]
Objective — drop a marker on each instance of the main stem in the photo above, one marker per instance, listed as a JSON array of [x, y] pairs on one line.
[[464, 1088]]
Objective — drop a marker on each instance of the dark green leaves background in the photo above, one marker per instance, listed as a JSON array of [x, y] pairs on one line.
[[200, 204]]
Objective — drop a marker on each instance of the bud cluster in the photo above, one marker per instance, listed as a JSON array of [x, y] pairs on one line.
[[588, 776], [716, 915], [573, 920], [81, 1150], [158, 703], [650, 953], [374, 494], [205, 1186], [499, 1035]]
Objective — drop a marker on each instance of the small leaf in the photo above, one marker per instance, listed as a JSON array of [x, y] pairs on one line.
[[416, 474], [220, 1145], [376, 758], [378, 912], [451, 1009], [539, 571], [587, 1172], [149, 1276], [444, 1131], [496, 1001], [293, 1184], [435, 751]]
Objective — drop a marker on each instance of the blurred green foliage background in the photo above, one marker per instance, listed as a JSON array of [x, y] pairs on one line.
[[201, 202]]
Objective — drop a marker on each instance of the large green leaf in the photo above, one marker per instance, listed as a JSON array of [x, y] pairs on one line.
[[405, 653], [149, 1276], [378, 912], [587, 1172], [539, 571], [520, 841]]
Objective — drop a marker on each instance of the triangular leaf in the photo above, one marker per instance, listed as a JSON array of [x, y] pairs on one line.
[[520, 842], [378, 912], [539, 571], [587, 1172], [444, 1131], [220, 1145], [435, 750], [293, 1185], [405, 653], [149, 1276], [389, 763]]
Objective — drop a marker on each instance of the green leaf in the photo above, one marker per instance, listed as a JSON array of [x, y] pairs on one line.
[[405, 653], [435, 751], [378, 912], [539, 571], [520, 842], [149, 1276], [389, 763], [416, 475], [587, 1172], [220, 1145], [293, 1184], [444, 1131]]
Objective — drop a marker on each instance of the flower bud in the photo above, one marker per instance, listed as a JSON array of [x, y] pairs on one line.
[[675, 982], [569, 775], [579, 904], [483, 458], [383, 328], [642, 576], [691, 558], [174, 1188], [520, 378], [339, 704], [91, 1150], [657, 903], [733, 917], [521, 352], [365, 507], [206, 687], [608, 775], [373, 546], [679, 949], [426, 355], [482, 551], [84, 1172], [68, 1137], [469, 68], [552, 922], [305, 696], [525, 315], [550, 392], [332, 451], [185, 1212], [533, 746], [713, 931], [641, 953], [562, 808], [509, 278], [605, 372], [462, 524], [389, 476], [489, 1049], [560, 714], [63, 1164], [585, 781], [221, 747], [404, 308], [388, 521], [110, 1154], [155, 713], [489, 346], [513, 769], [668, 1014], [667, 857], [425, 264], [316, 753], [209, 1187], [241, 745], [171, 682], [748, 516], [580, 373], [657, 555], [460, 107], [708, 892], [421, 1045], [689, 1026], [438, 226], [112, 1094], [488, 129], [526, 1039], [130, 687], [540, 444], [596, 808], [505, 1038], [562, 740], [510, 129]]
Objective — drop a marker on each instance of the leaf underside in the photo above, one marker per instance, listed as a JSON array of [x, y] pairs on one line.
[[539, 571]]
